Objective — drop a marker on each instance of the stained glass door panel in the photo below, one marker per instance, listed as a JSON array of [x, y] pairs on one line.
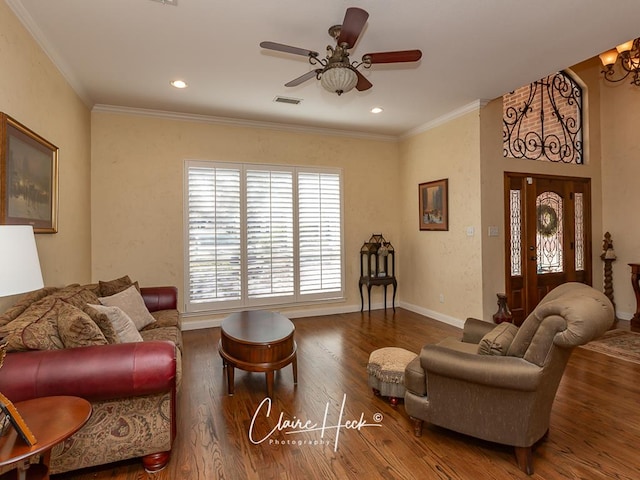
[[548, 237]]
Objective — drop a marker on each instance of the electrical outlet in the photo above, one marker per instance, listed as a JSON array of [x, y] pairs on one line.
[[441, 298], [493, 231]]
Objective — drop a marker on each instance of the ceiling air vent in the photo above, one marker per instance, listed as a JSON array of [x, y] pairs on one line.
[[289, 100]]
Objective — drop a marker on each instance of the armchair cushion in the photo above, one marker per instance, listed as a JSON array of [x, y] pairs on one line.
[[498, 340]]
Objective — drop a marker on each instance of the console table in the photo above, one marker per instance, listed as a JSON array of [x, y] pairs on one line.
[[377, 268]]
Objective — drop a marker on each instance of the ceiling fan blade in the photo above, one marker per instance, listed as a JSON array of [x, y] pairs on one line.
[[288, 49], [394, 57], [303, 78], [352, 26], [363, 84]]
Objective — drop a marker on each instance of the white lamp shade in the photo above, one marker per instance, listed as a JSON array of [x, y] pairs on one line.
[[339, 79], [19, 263]]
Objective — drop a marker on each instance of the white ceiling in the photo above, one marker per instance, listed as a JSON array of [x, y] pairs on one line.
[[124, 53]]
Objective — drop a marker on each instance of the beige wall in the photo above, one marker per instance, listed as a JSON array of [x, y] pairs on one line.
[[446, 263], [34, 92], [494, 165], [621, 197], [131, 190], [137, 188]]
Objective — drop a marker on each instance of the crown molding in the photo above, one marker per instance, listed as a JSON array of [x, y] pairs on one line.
[[236, 122], [459, 112], [31, 26]]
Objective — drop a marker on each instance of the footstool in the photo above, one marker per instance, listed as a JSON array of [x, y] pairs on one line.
[[386, 372]]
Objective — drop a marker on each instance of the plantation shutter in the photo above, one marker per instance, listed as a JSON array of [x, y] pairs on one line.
[[270, 256], [214, 235], [320, 238], [261, 235]]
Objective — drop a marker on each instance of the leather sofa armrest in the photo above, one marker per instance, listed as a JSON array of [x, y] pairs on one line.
[[511, 373], [101, 372], [160, 298], [475, 329]]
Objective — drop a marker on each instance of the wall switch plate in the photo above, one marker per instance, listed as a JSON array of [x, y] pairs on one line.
[[470, 231]]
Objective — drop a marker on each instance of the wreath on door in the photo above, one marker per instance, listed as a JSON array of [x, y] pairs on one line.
[[547, 220]]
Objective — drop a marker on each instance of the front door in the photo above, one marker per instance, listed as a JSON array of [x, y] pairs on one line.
[[548, 237]]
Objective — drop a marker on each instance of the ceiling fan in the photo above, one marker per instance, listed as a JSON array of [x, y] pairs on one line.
[[336, 72]]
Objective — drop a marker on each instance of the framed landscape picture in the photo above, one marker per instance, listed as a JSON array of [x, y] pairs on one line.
[[28, 178], [433, 200]]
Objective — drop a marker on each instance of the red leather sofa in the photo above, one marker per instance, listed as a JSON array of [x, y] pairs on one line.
[[132, 388]]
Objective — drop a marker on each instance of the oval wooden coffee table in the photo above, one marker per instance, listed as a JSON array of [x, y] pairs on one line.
[[257, 341]]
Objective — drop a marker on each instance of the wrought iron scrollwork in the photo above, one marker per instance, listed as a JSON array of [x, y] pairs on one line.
[[548, 125]]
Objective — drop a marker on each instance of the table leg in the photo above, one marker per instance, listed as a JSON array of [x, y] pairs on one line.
[[393, 302], [385, 297], [269, 375], [635, 283], [294, 366], [230, 379], [369, 296]]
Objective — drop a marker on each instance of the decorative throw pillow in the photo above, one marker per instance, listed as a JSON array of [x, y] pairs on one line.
[[35, 329], [103, 322], [498, 340], [23, 303], [76, 328], [132, 303], [121, 322], [111, 287], [76, 295]]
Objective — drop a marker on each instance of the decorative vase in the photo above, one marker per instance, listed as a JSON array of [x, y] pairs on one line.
[[503, 314]]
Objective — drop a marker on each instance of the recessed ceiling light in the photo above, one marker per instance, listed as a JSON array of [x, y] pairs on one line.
[[179, 84], [376, 110]]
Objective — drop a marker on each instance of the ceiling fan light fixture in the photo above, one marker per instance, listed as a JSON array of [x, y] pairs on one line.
[[339, 78]]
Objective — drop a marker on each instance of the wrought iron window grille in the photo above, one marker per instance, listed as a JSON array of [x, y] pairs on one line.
[[548, 125]]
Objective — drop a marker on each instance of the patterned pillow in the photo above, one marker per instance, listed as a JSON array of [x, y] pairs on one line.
[[121, 322], [23, 303], [498, 340], [76, 295], [132, 303], [111, 287], [76, 329], [103, 322], [35, 329]]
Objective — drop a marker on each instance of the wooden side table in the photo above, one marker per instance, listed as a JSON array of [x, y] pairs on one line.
[[51, 420], [257, 341]]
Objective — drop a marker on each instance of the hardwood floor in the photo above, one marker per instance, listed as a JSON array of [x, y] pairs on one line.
[[595, 423]]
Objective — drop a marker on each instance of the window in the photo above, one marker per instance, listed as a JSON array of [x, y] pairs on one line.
[[543, 121], [259, 235]]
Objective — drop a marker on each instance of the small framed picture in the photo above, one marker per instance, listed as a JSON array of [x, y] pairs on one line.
[[433, 201], [28, 178]]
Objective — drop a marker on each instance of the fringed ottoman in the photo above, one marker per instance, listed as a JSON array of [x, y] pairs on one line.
[[386, 372]]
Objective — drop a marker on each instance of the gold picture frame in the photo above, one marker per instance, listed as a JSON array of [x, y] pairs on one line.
[[28, 178], [433, 201]]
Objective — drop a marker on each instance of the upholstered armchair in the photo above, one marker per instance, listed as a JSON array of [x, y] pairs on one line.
[[498, 383]]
